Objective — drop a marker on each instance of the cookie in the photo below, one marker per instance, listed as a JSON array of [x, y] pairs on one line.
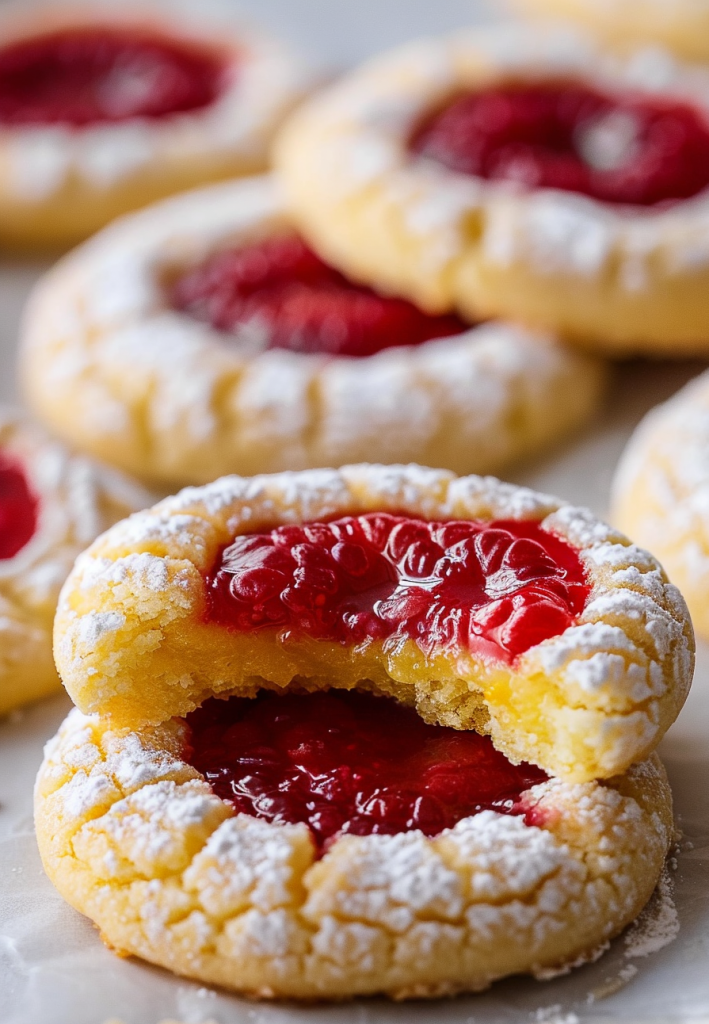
[[135, 837], [103, 111], [517, 172], [682, 25], [660, 491], [483, 605], [202, 337], [52, 504]]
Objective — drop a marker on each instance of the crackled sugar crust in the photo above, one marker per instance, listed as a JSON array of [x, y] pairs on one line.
[[661, 491], [59, 185], [77, 500], [113, 368], [134, 838], [615, 279], [681, 25], [132, 642]]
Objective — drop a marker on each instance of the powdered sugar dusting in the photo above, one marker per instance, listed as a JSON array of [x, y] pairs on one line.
[[375, 913], [658, 924], [105, 310]]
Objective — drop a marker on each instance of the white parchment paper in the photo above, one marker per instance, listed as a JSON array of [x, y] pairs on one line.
[[53, 966]]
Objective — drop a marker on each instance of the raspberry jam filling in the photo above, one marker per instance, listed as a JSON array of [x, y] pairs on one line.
[[349, 762], [19, 508], [619, 149], [85, 76], [278, 294], [495, 589]]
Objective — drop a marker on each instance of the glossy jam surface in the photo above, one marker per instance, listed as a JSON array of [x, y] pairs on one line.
[[88, 76], [19, 508], [494, 588], [277, 293], [630, 150], [349, 762]]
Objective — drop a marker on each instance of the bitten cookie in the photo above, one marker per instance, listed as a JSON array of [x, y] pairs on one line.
[[202, 337], [481, 604], [52, 504], [134, 836], [680, 25], [661, 489], [103, 111], [519, 173]]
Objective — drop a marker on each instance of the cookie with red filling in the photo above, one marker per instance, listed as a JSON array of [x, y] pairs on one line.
[[330, 845], [346, 730], [517, 172], [203, 336], [660, 491], [481, 605], [52, 504], [104, 111]]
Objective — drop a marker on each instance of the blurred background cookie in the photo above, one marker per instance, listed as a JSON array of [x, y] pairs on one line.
[[661, 492], [106, 108], [52, 504], [680, 25], [202, 336], [519, 173]]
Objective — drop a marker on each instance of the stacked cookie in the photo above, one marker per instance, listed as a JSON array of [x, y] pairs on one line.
[[381, 729], [372, 730]]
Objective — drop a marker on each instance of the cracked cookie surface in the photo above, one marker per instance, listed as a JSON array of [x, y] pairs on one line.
[[134, 838], [120, 356]]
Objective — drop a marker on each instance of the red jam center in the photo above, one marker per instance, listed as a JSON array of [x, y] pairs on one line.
[[621, 149], [87, 76], [19, 508], [350, 762], [278, 294], [494, 588]]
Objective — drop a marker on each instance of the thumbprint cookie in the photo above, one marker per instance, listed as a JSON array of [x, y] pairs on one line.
[[203, 337], [103, 111], [680, 25], [329, 845], [482, 605], [661, 492], [52, 504], [518, 173]]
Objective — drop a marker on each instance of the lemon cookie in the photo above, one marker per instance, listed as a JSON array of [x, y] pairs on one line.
[[681, 25], [497, 871], [661, 487], [104, 111], [203, 337], [52, 504], [483, 605], [519, 173]]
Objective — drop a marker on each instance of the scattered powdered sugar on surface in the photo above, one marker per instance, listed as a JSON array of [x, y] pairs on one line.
[[657, 925], [553, 1015]]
